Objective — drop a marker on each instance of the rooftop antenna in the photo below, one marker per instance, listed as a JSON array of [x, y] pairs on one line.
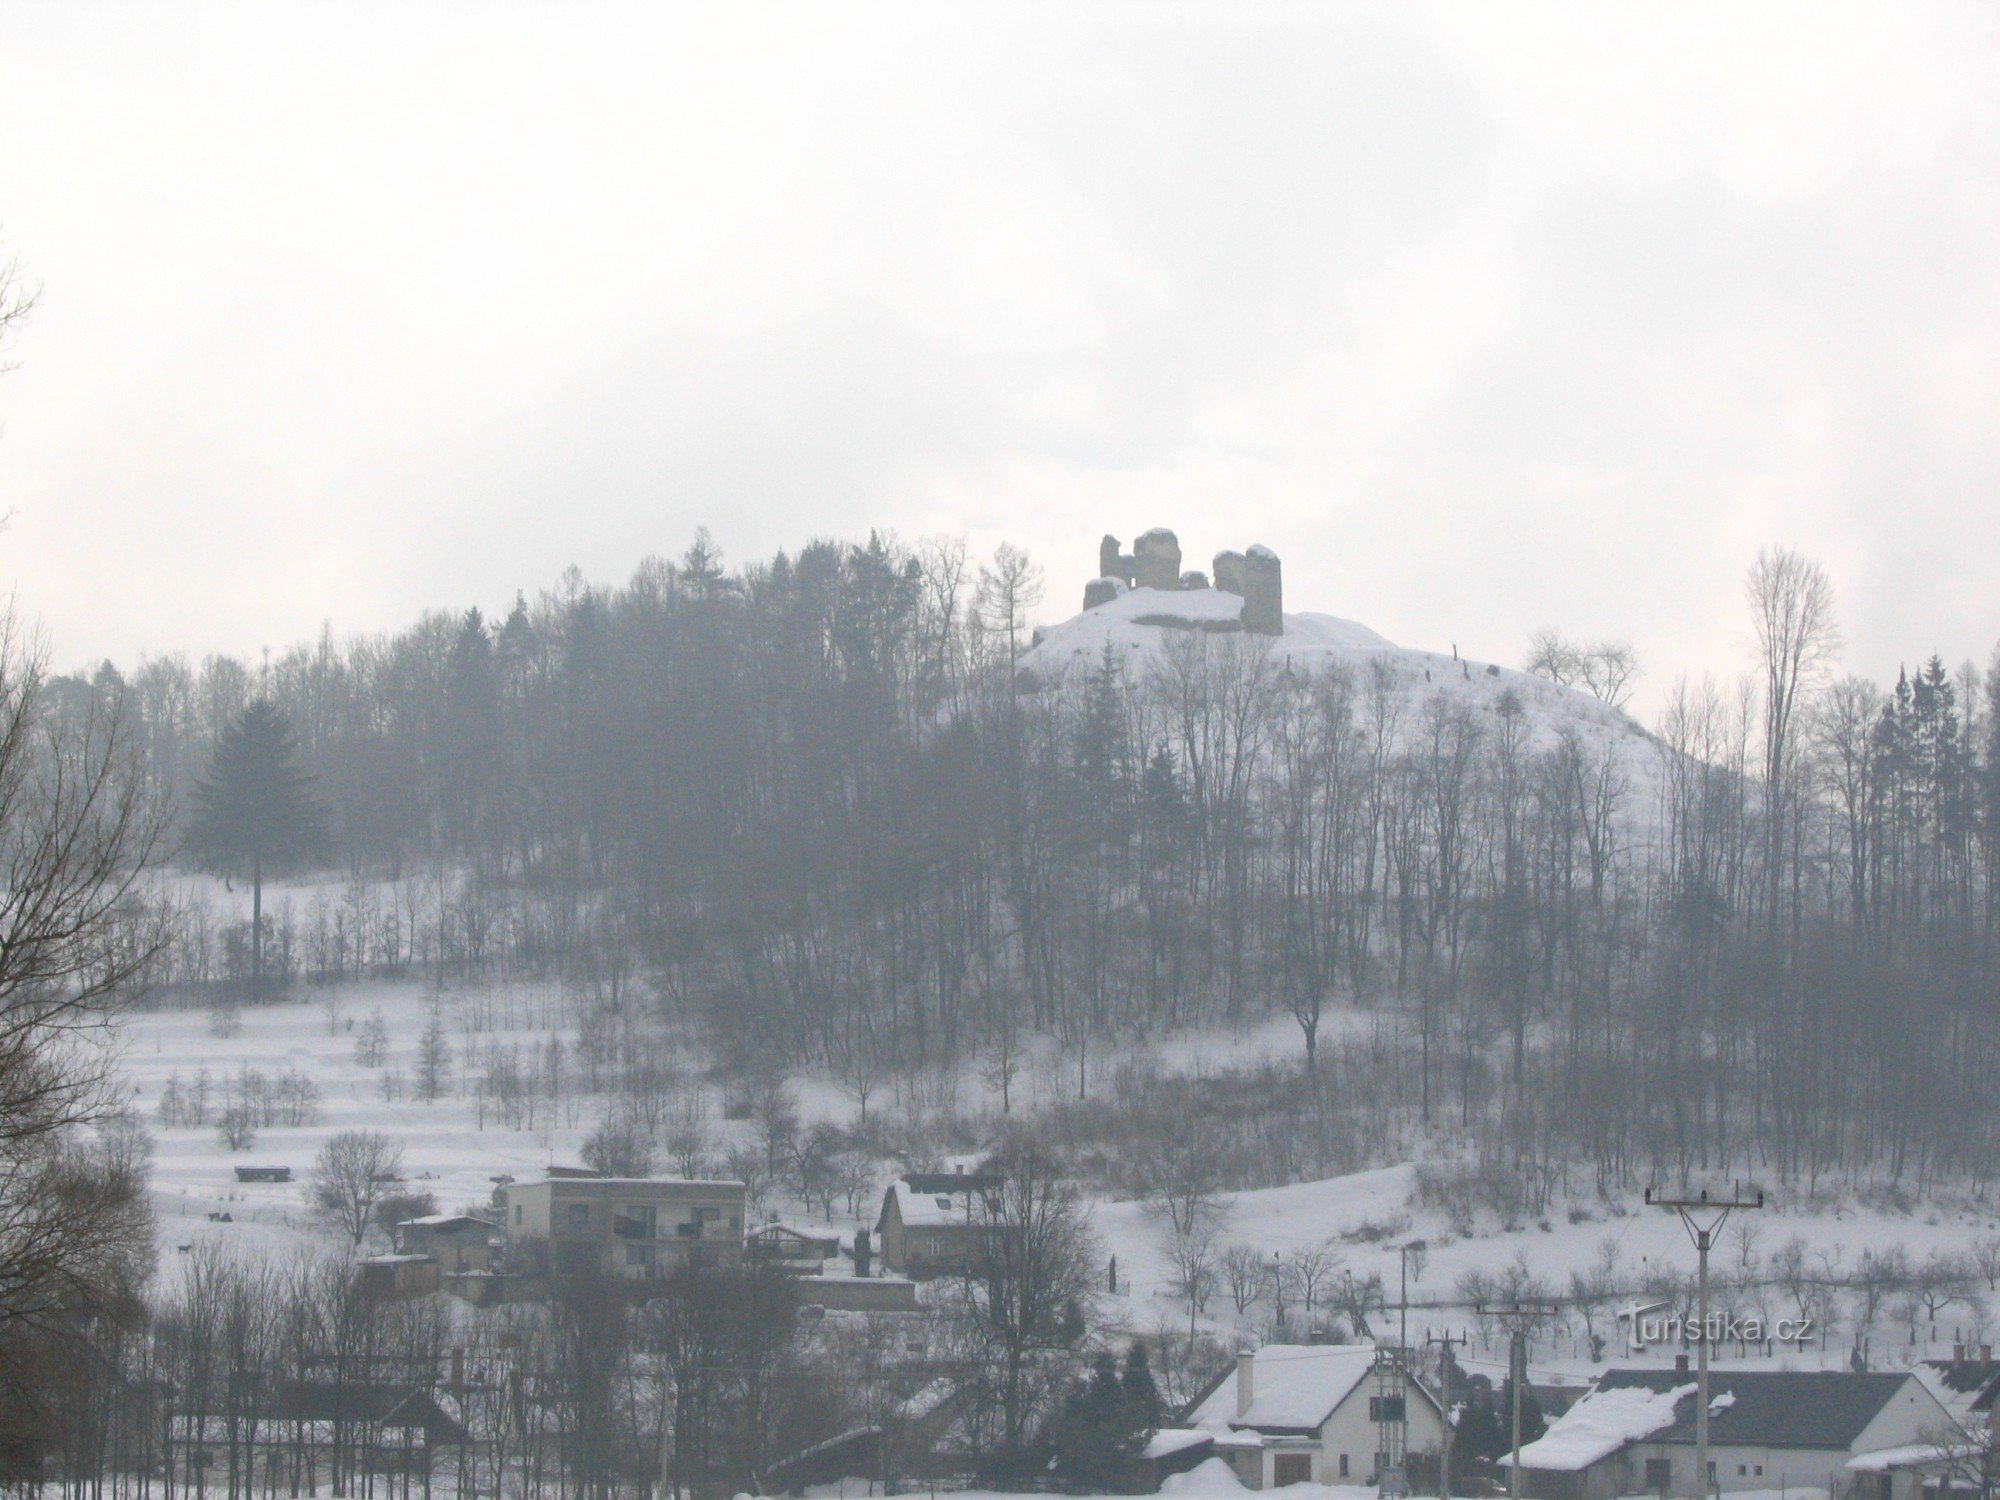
[[1704, 1215]]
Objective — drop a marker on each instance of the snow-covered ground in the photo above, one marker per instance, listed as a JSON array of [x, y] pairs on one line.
[[454, 1153]]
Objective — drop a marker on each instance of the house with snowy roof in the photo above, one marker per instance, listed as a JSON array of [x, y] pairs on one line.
[[1634, 1433], [937, 1223], [1314, 1414]]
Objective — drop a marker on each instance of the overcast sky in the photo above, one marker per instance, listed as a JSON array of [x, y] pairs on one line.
[[1484, 317]]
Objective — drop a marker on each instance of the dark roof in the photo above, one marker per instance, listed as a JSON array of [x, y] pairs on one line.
[[1772, 1408], [954, 1182], [1978, 1378], [391, 1404]]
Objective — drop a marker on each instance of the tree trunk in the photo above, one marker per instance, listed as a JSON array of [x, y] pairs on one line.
[[256, 929]]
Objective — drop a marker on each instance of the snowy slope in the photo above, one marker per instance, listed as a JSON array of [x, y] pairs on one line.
[[1314, 643]]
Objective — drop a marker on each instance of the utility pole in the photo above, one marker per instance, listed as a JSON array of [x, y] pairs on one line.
[[1446, 1343], [1403, 1254], [1703, 1215], [1517, 1318]]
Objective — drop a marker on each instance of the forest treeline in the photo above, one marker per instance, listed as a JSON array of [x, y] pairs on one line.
[[815, 807]]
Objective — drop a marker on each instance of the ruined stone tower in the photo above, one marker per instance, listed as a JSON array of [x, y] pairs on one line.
[[1259, 578], [1255, 576]]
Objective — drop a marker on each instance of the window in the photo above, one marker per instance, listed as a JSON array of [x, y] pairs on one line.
[[1385, 1409], [1742, 1471], [579, 1216], [1659, 1475], [1343, 1466], [639, 1255], [1291, 1468], [633, 1221], [1760, 1470], [517, 1213]]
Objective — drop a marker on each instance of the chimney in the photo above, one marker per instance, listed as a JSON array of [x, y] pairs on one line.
[[1680, 1364], [1246, 1383]]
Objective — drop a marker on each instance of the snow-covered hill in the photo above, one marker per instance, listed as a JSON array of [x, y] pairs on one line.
[[1139, 623]]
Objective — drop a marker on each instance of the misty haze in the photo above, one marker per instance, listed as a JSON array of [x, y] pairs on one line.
[[868, 749]]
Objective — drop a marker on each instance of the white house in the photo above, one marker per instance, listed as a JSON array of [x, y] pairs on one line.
[[1310, 1414], [1634, 1433]]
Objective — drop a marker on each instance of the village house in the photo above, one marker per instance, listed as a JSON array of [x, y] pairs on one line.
[[790, 1249], [457, 1242], [396, 1275], [937, 1223], [1634, 1433], [1313, 1414], [631, 1226]]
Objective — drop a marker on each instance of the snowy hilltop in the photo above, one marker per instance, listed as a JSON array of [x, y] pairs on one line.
[[1142, 624]]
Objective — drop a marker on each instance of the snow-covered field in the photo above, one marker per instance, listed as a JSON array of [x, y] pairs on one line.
[[454, 1149]]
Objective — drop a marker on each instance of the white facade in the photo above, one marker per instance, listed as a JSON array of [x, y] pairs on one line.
[[1307, 1413]]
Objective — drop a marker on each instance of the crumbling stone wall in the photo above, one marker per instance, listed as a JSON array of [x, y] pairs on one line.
[[1154, 562]]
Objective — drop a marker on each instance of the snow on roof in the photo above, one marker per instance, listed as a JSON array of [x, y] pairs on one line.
[[1167, 1441], [1293, 1387], [1909, 1456], [1600, 1424], [433, 1220], [926, 1400], [1260, 550], [930, 1210], [625, 1182]]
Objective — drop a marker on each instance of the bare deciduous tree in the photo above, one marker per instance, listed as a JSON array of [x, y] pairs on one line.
[[352, 1172], [76, 833]]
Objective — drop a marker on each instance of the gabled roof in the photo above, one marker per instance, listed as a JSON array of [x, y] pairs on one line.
[[1975, 1381], [928, 1210], [1294, 1388], [1602, 1423], [977, 1181], [1771, 1408], [392, 1404]]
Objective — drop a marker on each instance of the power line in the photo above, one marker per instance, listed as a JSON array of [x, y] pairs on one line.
[[1703, 1215]]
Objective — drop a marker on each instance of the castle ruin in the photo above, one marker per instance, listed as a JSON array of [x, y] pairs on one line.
[[1255, 577]]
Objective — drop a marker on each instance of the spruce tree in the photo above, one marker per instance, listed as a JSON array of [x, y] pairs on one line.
[[255, 813]]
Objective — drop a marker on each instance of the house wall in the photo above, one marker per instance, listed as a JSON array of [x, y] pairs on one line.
[[1912, 1415], [1348, 1431], [1818, 1468], [690, 1218], [456, 1248], [926, 1250]]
